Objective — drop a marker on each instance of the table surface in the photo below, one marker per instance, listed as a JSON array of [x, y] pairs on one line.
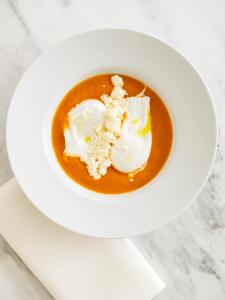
[[188, 253]]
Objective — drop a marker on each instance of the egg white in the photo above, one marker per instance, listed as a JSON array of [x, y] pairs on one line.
[[82, 121], [133, 147]]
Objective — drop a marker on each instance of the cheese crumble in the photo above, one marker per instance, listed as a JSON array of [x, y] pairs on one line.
[[100, 147]]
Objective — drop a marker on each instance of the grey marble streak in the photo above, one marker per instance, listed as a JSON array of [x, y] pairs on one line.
[[189, 252]]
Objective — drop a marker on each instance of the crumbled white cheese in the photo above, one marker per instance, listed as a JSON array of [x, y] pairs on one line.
[[117, 80], [113, 125], [116, 106], [99, 153], [99, 149], [118, 93]]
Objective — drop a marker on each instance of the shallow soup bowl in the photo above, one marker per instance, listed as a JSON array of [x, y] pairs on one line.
[[120, 51]]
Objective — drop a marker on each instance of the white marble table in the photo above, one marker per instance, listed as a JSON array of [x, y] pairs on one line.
[[189, 253]]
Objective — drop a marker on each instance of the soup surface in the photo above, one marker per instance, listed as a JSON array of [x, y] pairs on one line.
[[113, 182]]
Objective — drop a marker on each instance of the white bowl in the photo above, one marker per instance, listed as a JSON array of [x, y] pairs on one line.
[[115, 51]]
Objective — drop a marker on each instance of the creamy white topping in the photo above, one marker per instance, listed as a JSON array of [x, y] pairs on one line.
[[99, 154], [95, 132]]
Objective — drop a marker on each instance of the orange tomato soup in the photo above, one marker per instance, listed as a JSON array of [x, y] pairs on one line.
[[113, 182]]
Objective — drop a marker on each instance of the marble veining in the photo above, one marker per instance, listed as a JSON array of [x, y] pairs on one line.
[[189, 252]]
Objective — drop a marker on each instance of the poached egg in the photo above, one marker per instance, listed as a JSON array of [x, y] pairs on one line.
[[133, 147], [82, 121]]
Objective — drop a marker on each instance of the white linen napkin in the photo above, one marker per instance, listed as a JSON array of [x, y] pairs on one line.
[[72, 266]]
